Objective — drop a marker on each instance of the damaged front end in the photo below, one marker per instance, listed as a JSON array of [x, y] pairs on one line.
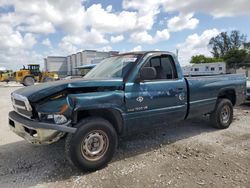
[[29, 123], [48, 113], [37, 132]]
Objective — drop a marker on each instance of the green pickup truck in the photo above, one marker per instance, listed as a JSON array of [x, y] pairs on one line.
[[123, 94]]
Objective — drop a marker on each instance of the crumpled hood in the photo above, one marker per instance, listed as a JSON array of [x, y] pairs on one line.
[[40, 91]]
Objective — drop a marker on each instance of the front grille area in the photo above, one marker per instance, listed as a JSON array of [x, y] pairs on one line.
[[21, 105]]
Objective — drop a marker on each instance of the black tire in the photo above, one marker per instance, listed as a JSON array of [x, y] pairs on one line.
[[222, 116], [28, 81], [75, 143], [48, 79]]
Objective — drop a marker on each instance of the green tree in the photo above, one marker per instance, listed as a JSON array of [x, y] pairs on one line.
[[203, 59], [198, 59], [225, 42], [237, 58], [246, 46]]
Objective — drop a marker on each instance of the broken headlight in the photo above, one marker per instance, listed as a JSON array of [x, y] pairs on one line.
[[60, 119], [53, 118]]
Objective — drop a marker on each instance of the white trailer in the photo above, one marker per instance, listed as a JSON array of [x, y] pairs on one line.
[[205, 69]]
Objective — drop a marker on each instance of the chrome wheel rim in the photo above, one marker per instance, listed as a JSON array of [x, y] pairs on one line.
[[94, 145], [225, 114]]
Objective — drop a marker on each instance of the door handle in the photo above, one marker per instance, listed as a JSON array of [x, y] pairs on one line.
[[180, 89]]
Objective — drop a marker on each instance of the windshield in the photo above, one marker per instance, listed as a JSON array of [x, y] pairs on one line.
[[113, 67]]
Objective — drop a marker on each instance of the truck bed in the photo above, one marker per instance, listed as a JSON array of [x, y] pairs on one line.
[[204, 90]]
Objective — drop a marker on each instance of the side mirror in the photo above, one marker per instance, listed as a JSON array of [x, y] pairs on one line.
[[147, 73]]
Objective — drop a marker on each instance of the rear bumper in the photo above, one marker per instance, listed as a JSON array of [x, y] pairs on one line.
[[37, 132]]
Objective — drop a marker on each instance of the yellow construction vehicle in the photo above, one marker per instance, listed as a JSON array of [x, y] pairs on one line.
[[3, 77], [6, 76], [28, 76]]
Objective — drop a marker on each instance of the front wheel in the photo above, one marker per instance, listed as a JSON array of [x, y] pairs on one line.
[[28, 81], [93, 144], [222, 116]]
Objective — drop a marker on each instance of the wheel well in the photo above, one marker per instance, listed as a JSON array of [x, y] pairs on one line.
[[112, 115], [228, 94]]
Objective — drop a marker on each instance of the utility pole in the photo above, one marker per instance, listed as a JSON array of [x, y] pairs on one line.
[[177, 52]]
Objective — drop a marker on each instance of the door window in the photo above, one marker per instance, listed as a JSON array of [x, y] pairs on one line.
[[164, 66]]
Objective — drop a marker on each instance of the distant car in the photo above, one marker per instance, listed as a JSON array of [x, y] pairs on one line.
[[71, 77], [248, 90], [84, 69]]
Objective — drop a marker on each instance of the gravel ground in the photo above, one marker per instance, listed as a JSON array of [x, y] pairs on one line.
[[187, 154]]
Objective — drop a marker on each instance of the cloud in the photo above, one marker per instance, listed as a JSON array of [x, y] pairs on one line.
[[109, 8], [137, 48], [116, 39], [16, 48], [196, 44], [29, 40], [213, 7], [10, 38], [144, 37], [66, 48], [107, 22], [44, 27], [78, 26], [72, 43], [181, 22], [47, 42], [104, 48], [146, 10], [15, 58], [45, 16], [87, 38], [216, 8]]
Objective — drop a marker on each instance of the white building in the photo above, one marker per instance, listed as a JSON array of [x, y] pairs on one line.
[[56, 64], [66, 66], [204, 69]]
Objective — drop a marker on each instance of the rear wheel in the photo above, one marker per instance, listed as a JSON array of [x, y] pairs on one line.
[[93, 144], [28, 81], [222, 116]]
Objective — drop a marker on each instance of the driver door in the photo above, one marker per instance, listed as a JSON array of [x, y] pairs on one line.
[[160, 100]]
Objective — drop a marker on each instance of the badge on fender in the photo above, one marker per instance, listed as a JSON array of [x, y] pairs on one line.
[[139, 99]]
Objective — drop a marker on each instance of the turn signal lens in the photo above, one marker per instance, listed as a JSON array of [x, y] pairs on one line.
[[64, 108]]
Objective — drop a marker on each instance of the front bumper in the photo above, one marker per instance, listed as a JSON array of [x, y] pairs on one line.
[[37, 132], [248, 96]]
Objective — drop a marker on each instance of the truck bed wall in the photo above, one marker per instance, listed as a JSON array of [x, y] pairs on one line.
[[204, 91]]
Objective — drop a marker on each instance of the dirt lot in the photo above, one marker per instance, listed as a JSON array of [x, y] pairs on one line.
[[188, 154]]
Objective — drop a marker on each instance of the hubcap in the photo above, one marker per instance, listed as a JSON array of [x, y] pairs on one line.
[[94, 145], [30, 81], [225, 114]]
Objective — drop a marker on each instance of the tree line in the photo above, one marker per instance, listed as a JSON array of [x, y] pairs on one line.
[[231, 48]]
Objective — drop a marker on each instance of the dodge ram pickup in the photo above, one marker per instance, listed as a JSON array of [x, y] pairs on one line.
[[123, 94]]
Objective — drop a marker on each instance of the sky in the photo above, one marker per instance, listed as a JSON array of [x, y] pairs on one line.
[[31, 30]]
